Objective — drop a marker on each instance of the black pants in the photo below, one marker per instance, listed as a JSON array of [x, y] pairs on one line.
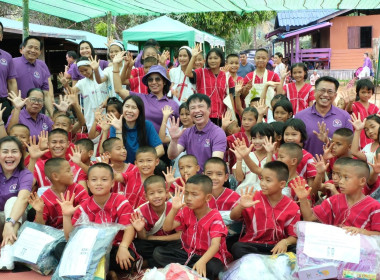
[[58, 250], [115, 266], [240, 249], [6, 104], [146, 247], [174, 254]]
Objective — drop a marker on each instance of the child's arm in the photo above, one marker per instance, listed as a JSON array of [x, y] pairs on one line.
[[302, 194], [122, 92], [77, 110], [200, 265], [262, 109], [68, 210], [38, 204], [242, 151], [238, 90], [123, 257], [189, 70], [321, 168], [76, 158], [94, 63], [284, 73], [125, 74], [358, 126], [177, 204], [93, 133], [166, 112], [246, 201], [170, 237], [282, 245]]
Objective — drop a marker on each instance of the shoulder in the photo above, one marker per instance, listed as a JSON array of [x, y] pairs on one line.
[[148, 125], [304, 112], [25, 172]]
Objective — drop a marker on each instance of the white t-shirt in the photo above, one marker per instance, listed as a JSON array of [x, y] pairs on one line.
[[370, 155], [108, 72], [279, 68], [177, 76]]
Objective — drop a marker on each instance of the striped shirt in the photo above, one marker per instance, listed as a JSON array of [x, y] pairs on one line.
[[151, 217], [225, 201], [299, 99], [133, 189]]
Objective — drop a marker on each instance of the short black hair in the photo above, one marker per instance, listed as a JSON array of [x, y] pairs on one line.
[[278, 97], [216, 160], [293, 150], [301, 65], [361, 167], [328, 79], [62, 116], [280, 168], [53, 165], [243, 52], [263, 129], [279, 54], [341, 160], [285, 104], [219, 53], [151, 59], [252, 110], [101, 165], [346, 133], [72, 54], [297, 125], [262, 50], [109, 143], [203, 180], [152, 180], [113, 101], [257, 98], [278, 127], [198, 97], [19, 125], [58, 131], [35, 89], [25, 41], [86, 143], [232, 55], [364, 83], [151, 42], [146, 149], [188, 156]]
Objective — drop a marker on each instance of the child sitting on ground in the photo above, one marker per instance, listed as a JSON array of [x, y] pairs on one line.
[[269, 216]]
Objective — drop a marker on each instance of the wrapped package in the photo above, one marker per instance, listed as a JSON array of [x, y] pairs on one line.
[[255, 266], [325, 252], [87, 246], [35, 247], [173, 271]]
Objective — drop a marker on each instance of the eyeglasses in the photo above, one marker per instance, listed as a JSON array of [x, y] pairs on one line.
[[156, 79], [36, 100], [323, 90]]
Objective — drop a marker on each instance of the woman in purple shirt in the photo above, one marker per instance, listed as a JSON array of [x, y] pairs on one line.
[[15, 187], [86, 49]]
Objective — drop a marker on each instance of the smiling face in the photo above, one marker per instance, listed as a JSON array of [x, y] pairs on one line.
[[32, 50], [184, 117], [85, 50], [248, 121], [130, 111], [58, 145], [146, 163], [35, 102], [213, 60], [217, 174], [292, 136], [10, 156], [258, 142], [325, 94], [156, 194], [280, 115], [118, 152], [114, 50], [261, 59], [269, 183], [183, 57], [298, 74], [233, 63], [156, 83], [199, 61], [85, 71], [199, 112], [100, 181]]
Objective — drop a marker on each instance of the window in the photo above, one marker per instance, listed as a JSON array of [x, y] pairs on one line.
[[359, 37]]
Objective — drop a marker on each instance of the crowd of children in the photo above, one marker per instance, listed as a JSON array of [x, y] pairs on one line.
[[239, 178]]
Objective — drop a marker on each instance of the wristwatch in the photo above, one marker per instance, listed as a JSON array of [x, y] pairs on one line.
[[10, 220]]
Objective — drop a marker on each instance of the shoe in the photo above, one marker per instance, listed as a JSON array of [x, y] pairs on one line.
[[6, 258]]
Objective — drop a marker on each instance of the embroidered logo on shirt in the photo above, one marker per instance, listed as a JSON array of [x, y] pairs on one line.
[[36, 75], [3, 62], [207, 143], [13, 188], [45, 126], [337, 123]]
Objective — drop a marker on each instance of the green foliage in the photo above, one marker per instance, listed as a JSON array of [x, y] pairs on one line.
[[101, 28], [246, 38]]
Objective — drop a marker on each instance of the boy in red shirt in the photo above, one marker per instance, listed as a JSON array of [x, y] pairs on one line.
[[104, 207], [150, 217], [269, 216], [203, 230], [350, 209]]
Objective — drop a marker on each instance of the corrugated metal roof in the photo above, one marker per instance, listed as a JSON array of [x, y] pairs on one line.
[[301, 17]]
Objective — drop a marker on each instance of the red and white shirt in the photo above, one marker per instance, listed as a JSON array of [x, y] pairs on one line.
[[271, 77], [151, 217], [357, 108], [133, 189], [136, 85], [299, 99], [177, 182], [120, 186], [225, 201]]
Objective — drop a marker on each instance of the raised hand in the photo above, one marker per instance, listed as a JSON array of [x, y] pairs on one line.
[[196, 50], [356, 122], [119, 57], [327, 154], [43, 140], [76, 156], [137, 221], [115, 122], [246, 198], [299, 187], [177, 199], [239, 86], [175, 131], [323, 133], [104, 124], [284, 73], [248, 86], [71, 95], [110, 40], [167, 111], [225, 69], [33, 148], [63, 80], [104, 158], [240, 149], [226, 119], [169, 175], [64, 103], [129, 61], [94, 62], [269, 146], [163, 57], [320, 164], [16, 99], [67, 204], [36, 202], [261, 107], [376, 164]]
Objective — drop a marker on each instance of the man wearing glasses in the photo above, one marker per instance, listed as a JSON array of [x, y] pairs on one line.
[[323, 118]]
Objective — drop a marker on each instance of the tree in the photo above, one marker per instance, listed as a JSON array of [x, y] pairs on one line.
[[101, 28], [246, 38]]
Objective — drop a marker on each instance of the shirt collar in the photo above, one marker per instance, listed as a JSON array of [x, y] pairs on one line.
[[206, 129], [151, 95], [332, 111], [28, 116], [27, 61], [15, 174]]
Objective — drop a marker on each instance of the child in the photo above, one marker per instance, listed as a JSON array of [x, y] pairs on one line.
[[331, 187], [278, 127], [350, 209], [212, 81], [104, 207], [222, 198], [282, 110], [135, 83], [313, 78], [371, 126], [86, 149], [149, 219], [242, 171], [340, 146], [22, 133], [232, 62], [203, 230], [363, 108], [300, 94], [199, 61], [269, 216]]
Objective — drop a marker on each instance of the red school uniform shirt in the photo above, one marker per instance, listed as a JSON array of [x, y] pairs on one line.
[[267, 224], [289, 191], [52, 210], [225, 201], [43, 181], [118, 187], [299, 99], [229, 155], [151, 217], [197, 234], [336, 211], [272, 76], [133, 188], [116, 210], [357, 108], [177, 182], [214, 87], [136, 85], [137, 72]]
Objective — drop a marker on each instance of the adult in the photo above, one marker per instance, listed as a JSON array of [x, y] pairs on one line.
[[71, 57], [15, 187], [204, 139], [158, 87], [323, 118], [32, 72], [245, 67], [280, 66], [8, 81], [367, 67], [85, 49], [149, 43], [314, 77], [31, 115]]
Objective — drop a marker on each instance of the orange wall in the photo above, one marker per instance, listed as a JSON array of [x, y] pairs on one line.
[[341, 56]]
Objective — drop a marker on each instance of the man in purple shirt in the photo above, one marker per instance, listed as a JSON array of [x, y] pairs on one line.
[[7, 79], [321, 114], [71, 57], [32, 72], [204, 139]]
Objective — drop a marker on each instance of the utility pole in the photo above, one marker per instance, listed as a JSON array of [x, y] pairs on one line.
[[25, 19]]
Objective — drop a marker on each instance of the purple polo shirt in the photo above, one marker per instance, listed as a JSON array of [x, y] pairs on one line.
[[31, 75], [7, 72], [202, 143], [20, 180], [335, 118], [76, 75], [153, 107], [42, 122]]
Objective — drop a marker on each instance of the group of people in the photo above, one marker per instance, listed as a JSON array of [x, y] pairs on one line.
[[177, 149]]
